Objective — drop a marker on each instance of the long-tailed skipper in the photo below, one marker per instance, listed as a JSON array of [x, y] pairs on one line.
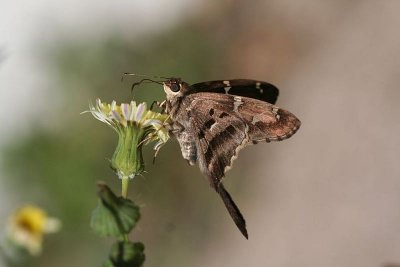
[[214, 120]]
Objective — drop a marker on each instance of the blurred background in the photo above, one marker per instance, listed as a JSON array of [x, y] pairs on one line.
[[329, 196]]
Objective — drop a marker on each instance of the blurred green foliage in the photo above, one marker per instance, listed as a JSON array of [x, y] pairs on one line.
[[57, 165]]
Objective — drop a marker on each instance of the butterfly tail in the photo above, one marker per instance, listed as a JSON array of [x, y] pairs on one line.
[[232, 209]]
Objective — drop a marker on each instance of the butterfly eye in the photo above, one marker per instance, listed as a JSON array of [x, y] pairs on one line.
[[174, 87]]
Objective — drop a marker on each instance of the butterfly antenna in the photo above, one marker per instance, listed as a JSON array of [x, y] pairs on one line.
[[142, 75], [145, 80]]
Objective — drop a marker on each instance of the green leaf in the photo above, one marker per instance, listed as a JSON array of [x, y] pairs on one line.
[[113, 216], [126, 254]]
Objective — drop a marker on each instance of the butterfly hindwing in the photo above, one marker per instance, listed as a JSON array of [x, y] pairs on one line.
[[266, 122], [224, 124]]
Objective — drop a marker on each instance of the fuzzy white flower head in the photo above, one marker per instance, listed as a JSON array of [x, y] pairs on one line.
[[136, 125], [121, 116]]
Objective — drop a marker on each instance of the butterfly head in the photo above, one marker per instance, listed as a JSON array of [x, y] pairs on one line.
[[175, 87]]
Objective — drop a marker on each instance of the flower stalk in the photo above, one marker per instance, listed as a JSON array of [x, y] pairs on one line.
[[136, 126], [125, 184]]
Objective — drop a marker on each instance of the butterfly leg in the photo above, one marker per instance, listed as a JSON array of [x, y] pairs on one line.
[[156, 150], [159, 104]]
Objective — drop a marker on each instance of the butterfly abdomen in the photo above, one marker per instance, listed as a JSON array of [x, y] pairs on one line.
[[188, 147]]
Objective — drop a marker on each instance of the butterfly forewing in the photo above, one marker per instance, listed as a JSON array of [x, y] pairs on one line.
[[241, 87]]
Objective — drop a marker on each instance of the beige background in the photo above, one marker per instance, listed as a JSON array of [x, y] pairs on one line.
[[330, 195], [327, 197]]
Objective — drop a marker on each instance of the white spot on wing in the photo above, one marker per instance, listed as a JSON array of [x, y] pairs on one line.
[[213, 126], [238, 148], [237, 103], [258, 86], [255, 120], [275, 111], [227, 87]]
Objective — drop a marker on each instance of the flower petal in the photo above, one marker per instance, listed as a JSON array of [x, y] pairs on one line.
[[140, 110], [126, 111]]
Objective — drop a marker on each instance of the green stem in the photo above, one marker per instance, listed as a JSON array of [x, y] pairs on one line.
[[124, 193], [125, 183]]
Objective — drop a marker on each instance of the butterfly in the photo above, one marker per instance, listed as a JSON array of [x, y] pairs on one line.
[[214, 120]]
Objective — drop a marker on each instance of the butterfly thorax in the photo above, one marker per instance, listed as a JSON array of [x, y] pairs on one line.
[[177, 108]]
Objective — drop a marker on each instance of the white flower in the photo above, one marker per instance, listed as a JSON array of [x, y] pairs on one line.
[[136, 125]]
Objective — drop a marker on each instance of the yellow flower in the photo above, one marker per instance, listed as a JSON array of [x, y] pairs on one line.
[[27, 226]]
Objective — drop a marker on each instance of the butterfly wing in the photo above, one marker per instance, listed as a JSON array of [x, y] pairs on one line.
[[222, 125], [241, 87]]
